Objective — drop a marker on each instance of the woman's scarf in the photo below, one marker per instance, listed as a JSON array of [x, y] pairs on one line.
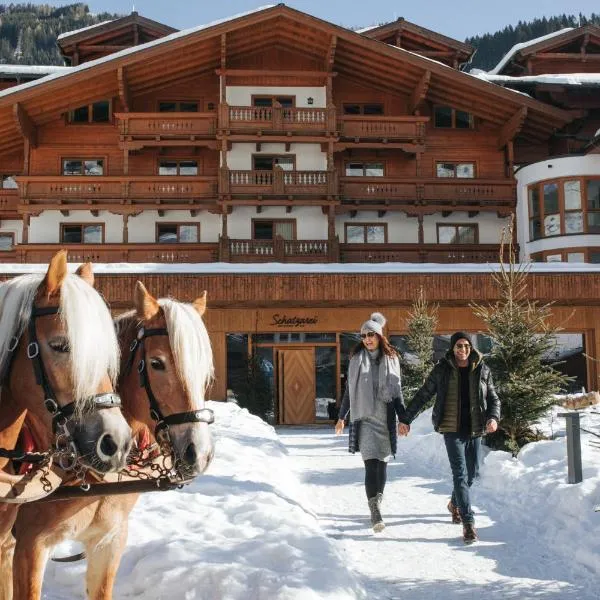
[[360, 382]]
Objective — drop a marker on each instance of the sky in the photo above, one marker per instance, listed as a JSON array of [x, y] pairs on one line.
[[458, 19], [282, 515]]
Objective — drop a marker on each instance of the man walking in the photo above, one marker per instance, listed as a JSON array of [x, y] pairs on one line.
[[466, 407]]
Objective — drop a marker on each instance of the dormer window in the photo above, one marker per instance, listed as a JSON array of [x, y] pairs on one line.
[[178, 106], [97, 112], [363, 108], [451, 118]]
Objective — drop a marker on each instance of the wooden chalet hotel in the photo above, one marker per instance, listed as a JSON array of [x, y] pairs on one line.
[[305, 175]]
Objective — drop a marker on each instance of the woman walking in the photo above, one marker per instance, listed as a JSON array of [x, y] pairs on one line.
[[374, 398]]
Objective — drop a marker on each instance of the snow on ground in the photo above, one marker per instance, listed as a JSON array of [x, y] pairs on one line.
[[289, 521]]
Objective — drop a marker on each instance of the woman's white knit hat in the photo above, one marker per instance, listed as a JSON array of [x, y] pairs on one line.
[[375, 323]]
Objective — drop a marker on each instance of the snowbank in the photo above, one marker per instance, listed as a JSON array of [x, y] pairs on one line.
[[240, 532]]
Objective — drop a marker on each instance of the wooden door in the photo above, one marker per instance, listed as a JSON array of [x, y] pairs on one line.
[[296, 387]]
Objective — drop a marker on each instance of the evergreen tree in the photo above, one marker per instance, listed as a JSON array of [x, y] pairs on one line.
[[421, 325], [522, 338]]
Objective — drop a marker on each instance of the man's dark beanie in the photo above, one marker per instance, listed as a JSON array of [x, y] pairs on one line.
[[460, 335]]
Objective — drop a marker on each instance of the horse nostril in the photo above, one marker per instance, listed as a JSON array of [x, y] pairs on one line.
[[108, 446], [190, 454]]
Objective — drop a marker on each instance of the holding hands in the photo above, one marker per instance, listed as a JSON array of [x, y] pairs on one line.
[[403, 429], [339, 427]]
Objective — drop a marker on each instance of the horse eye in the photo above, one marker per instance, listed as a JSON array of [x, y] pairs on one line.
[[157, 364], [61, 345]]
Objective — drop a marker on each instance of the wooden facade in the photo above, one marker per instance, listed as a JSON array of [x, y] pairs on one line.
[[276, 137]]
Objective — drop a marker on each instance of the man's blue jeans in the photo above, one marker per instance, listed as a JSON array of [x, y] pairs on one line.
[[463, 454]]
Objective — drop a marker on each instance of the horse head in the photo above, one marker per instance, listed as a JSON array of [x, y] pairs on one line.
[[166, 369], [59, 360]]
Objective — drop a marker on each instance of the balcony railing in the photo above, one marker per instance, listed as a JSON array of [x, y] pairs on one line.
[[278, 250], [279, 182], [378, 127], [9, 200], [158, 253], [164, 126], [83, 189], [276, 118], [453, 194], [421, 253]]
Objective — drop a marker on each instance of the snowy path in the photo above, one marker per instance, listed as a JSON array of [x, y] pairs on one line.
[[420, 554]]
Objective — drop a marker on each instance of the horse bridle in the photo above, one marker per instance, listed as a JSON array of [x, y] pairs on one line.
[[60, 414], [203, 415]]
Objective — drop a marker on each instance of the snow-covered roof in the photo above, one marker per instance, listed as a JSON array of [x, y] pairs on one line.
[[506, 58], [69, 33], [31, 69], [220, 268], [569, 79], [365, 29], [133, 50]]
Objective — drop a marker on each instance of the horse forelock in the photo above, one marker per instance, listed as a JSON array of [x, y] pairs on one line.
[[191, 348]]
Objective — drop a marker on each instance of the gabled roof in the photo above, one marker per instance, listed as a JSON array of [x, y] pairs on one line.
[[420, 38], [162, 62]]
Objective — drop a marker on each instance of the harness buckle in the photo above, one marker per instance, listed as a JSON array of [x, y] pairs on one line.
[[141, 332], [133, 345], [155, 416], [32, 350], [51, 405], [141, 366], [205, 415], [14, 342]]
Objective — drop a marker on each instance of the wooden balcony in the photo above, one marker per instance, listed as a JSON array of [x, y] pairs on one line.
[[136, 253], [276, 119], [9, 201], [420, 253], [397, 129], [308, 184], [161, 126], [278, 250], [383, 193], [76, 191]]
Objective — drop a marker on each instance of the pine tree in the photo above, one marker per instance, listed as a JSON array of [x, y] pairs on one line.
[[522, 337], [421, 325]]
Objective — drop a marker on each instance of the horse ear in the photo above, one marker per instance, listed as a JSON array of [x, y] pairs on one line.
[[146, 306], [86, 273], [200, 303], [56, 274]]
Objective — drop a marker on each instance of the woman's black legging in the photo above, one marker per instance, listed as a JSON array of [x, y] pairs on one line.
[[375, 476]]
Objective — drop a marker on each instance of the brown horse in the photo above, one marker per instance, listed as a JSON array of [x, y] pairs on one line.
[[59, 357], [166, 368]]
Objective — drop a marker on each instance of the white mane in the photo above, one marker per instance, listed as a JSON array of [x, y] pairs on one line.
[[191, 348], [94, 350]]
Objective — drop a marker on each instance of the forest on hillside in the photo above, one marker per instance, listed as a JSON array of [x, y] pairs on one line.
[[28, 32]]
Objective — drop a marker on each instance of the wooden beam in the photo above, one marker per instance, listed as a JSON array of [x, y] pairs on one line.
[[331, 53], [25, 125], [124, 94], [102, 48], [512, 127], [419, 93]]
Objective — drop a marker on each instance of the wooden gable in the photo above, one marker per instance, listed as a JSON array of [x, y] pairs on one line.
[[574, 51], [106, 38], [422, 41]]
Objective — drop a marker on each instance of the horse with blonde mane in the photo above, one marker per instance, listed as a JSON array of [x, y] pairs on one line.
[[59, 359], [165, 371]]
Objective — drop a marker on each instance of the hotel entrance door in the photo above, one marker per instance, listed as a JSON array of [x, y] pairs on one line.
[[296, 386]]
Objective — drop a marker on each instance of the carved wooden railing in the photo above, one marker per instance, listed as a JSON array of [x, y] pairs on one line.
[[276, 118], [277, 250], [379, 127], [278, 181], [158, 253], [9, 201], [171, 125]]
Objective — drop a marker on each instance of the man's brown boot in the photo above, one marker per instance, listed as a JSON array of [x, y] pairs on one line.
[[453, 510], [469, 533]]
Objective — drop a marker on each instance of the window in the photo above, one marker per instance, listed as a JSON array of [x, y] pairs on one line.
[[457, 233], [568, 206], [365, 233], [178, 167], [82, 233], [7, 241], [265, 162], [177, 233], [363, 109], [80, 166], [269, 101], [365, 169], [177, 106], [464, 170], [8, 182], [268, 230], [98, 112], [571, 255], [447, 117]]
